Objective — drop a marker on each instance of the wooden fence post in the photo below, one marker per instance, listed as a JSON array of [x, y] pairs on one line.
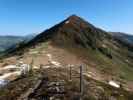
[[81, 81], [31, 65], [70, 72]]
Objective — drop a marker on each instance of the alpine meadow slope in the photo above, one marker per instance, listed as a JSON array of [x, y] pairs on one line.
[[73, 34], [69, 44]]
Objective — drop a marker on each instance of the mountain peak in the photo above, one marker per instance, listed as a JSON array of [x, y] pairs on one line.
[[73, 16], [78, 21], [72, 31]]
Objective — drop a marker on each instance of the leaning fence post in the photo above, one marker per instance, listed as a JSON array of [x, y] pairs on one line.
[[81, 81], [31, 66], [70, 72]]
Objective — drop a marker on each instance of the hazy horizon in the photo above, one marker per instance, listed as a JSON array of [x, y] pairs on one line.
[[23, 17]]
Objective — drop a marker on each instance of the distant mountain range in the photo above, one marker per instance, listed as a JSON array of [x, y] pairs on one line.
[[11, 41], [123, 37], [8, 41]]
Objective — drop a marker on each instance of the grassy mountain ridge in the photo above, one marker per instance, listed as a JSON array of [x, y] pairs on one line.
[[77, 25], [75, 33], [75, 41]]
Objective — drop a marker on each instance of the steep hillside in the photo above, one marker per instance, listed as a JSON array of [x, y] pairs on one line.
[[74, 31], [74, 41], [75, 34], [95, 45]]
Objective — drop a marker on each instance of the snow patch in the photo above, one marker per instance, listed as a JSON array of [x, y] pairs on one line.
[[55, 63], [88, 75], [36, 67], [66, 22], [52, 61], [9, 67], [92, 74], [46, 67], [7, 75], [114, 84], [103, 45], [49, 56]]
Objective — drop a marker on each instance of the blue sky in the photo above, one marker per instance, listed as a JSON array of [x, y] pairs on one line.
[[22, 17]]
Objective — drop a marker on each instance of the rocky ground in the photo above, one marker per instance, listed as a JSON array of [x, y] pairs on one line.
[[50, 77], [55, 84]]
